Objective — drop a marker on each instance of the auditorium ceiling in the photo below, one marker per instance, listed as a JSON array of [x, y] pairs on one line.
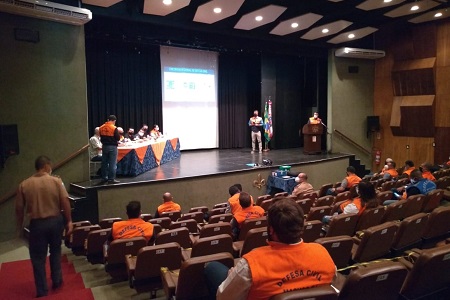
[[317, 23]]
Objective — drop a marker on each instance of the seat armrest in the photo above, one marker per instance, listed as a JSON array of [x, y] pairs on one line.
[[186, 254], [169, 281], [105, 251], [409, 265], [130, 261]]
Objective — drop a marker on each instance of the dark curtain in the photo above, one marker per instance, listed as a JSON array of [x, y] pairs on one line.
[[123, 79], [239, 94]]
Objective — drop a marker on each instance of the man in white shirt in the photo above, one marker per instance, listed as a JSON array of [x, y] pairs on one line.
[[95, 146]]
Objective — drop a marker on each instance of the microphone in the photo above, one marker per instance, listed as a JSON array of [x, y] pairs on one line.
[[323, 124]]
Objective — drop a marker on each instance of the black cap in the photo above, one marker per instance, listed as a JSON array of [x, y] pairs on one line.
[[112, 118]]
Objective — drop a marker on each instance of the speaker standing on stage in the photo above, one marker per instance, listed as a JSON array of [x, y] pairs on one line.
[[315, 119], [109, 137], [255, 124]]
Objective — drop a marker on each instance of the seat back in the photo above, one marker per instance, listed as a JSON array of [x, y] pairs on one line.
[[197, 216], [443, 182], [387, 186], [370, 217], [191, 280], [150, 260], [178, 235], [311, 230], [401, 182], [250, 224], [305, 204], [190, 224], [339, 248], [318, 212], [281, 195], [324, 201], [173, 215], [341, 197], [410, 231], [146, 217], [260, 199], [107, 223], [336, 207], [220, 205], [352, 190], [414, 205], [323, 189], [220, 218], [94, 245], [156, 230], [119, 248], [376, 242], [163, 222], [68, 238], [429, 273], [266, 204], [383, 196], [437, 226], [215, 229], [343, 224], [212, 245], [255, 238], [322, 292], [203, 209], [433, 200], [383, 279], [394, 211], [311, 195], [79, 236], [217, 211]]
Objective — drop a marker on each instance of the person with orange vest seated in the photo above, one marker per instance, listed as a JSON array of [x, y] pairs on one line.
[[233, 201], [168, 205], [134, 226], [286, 263], [366, 199], [391, 172], [155, 133], [346, 184], [409, 167], [315, 119], [426, 173], [247, 211]]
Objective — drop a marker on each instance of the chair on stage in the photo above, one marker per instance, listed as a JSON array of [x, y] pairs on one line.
[[78, 238], [173, 215], [305, 204], [189, 282], [339, 248], [255, 238], [409, 233], [107, 223], [250, 224], [164, 222], [94, 245], [312, 230], [370, 217], [209, 245], [321, 292], [178, 235], [144, 270]]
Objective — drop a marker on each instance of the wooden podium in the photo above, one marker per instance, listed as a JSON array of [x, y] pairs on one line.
[[312, 136]]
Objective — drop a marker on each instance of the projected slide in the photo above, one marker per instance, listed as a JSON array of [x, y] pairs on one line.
[[189, 89]]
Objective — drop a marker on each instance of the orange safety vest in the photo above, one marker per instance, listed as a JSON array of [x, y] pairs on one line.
[[428, 175], [357, 202], [352, 180], [132, 228], [234, 203], [251, 212], [314, 121], [408, 171], [393, 172], [279, 268], [168, 206]]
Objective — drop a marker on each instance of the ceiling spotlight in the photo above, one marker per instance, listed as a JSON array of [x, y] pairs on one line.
[[351, 35], [437, 15], [415, 7], [167, 2], [294, 25], [217, 10], [325, 30], [387, 1], [258, 18]]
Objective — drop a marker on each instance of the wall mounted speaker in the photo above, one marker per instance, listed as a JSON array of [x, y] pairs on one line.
[[373, 123]]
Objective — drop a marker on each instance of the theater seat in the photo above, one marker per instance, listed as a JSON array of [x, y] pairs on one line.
[[190, 224], [414, 205], [146, 217], [437, 227], [383, 196], [409, 233], [209, 245], [203, 209], [197, 216], [342, 196], [305, 204], [317, 213], [211, 230], [343, 224], [189, 282], [255, 238], [260, 199], [394, 211], [163, 222], [67, 238], [173, 215], [220, 218], [370, 217], [78, 238], [217, 211], [312, 230], [220, 205], [429, 273], [250, 224], [322, 292], [107, 223], [433, 201], [323, 189], [178, 235], [339, 248], [324, 201], [94, 245]]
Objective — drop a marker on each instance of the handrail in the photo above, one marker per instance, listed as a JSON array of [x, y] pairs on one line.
[[352, 142], [12, 193]]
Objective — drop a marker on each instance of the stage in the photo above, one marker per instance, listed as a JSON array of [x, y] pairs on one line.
[[201, 177]]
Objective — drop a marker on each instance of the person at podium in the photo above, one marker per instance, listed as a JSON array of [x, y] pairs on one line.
[[315, 119]]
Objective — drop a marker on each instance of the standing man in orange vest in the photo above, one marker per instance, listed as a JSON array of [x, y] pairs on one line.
[[110, 137], [287, 263]]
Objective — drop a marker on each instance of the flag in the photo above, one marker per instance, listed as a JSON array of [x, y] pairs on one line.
[[268, 127]]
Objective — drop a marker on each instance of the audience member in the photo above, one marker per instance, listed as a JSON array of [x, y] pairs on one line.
[[303, 186], [409, 167], [247, 211], [44, 197], [286, 264], [418, 185], [155, 133], [168, 205], [349, 181], [425, 168], [366, 199], [134, 226], [109, 136], [95, 146], [391, 172]]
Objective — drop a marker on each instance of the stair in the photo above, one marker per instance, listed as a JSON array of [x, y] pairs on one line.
[[361, 170]]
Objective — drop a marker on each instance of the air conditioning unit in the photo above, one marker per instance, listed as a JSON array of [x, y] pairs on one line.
[[47, 10], [359, 53]]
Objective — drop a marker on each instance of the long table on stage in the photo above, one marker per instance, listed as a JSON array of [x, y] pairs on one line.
[[138, 157]]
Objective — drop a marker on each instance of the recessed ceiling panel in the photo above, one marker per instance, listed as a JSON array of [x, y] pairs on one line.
[[102, 3], [376, 4], [269, 14], [407, 9], [431, 16], [157, 7], [326, 30], [205, 13], [357, 34], [303, 22]]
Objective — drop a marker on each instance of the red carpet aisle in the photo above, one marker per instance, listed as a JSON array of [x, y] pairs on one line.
[[17, 282]]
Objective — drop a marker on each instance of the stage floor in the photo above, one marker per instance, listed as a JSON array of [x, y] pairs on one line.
[[193, 163]]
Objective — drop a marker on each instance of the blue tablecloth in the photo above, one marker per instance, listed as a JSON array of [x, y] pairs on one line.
[[285, 184]]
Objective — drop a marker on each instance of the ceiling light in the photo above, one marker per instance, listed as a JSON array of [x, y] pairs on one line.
[[167, 2], [387, 1], [437, 15], [217, 10], [258, 18], [347, 50], [415, 7], [325, 30], [294, 25], [351, 35]]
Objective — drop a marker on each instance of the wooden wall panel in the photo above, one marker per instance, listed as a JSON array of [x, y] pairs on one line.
[[442, 118], [442, 149], [424, 40], [443, 45]]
